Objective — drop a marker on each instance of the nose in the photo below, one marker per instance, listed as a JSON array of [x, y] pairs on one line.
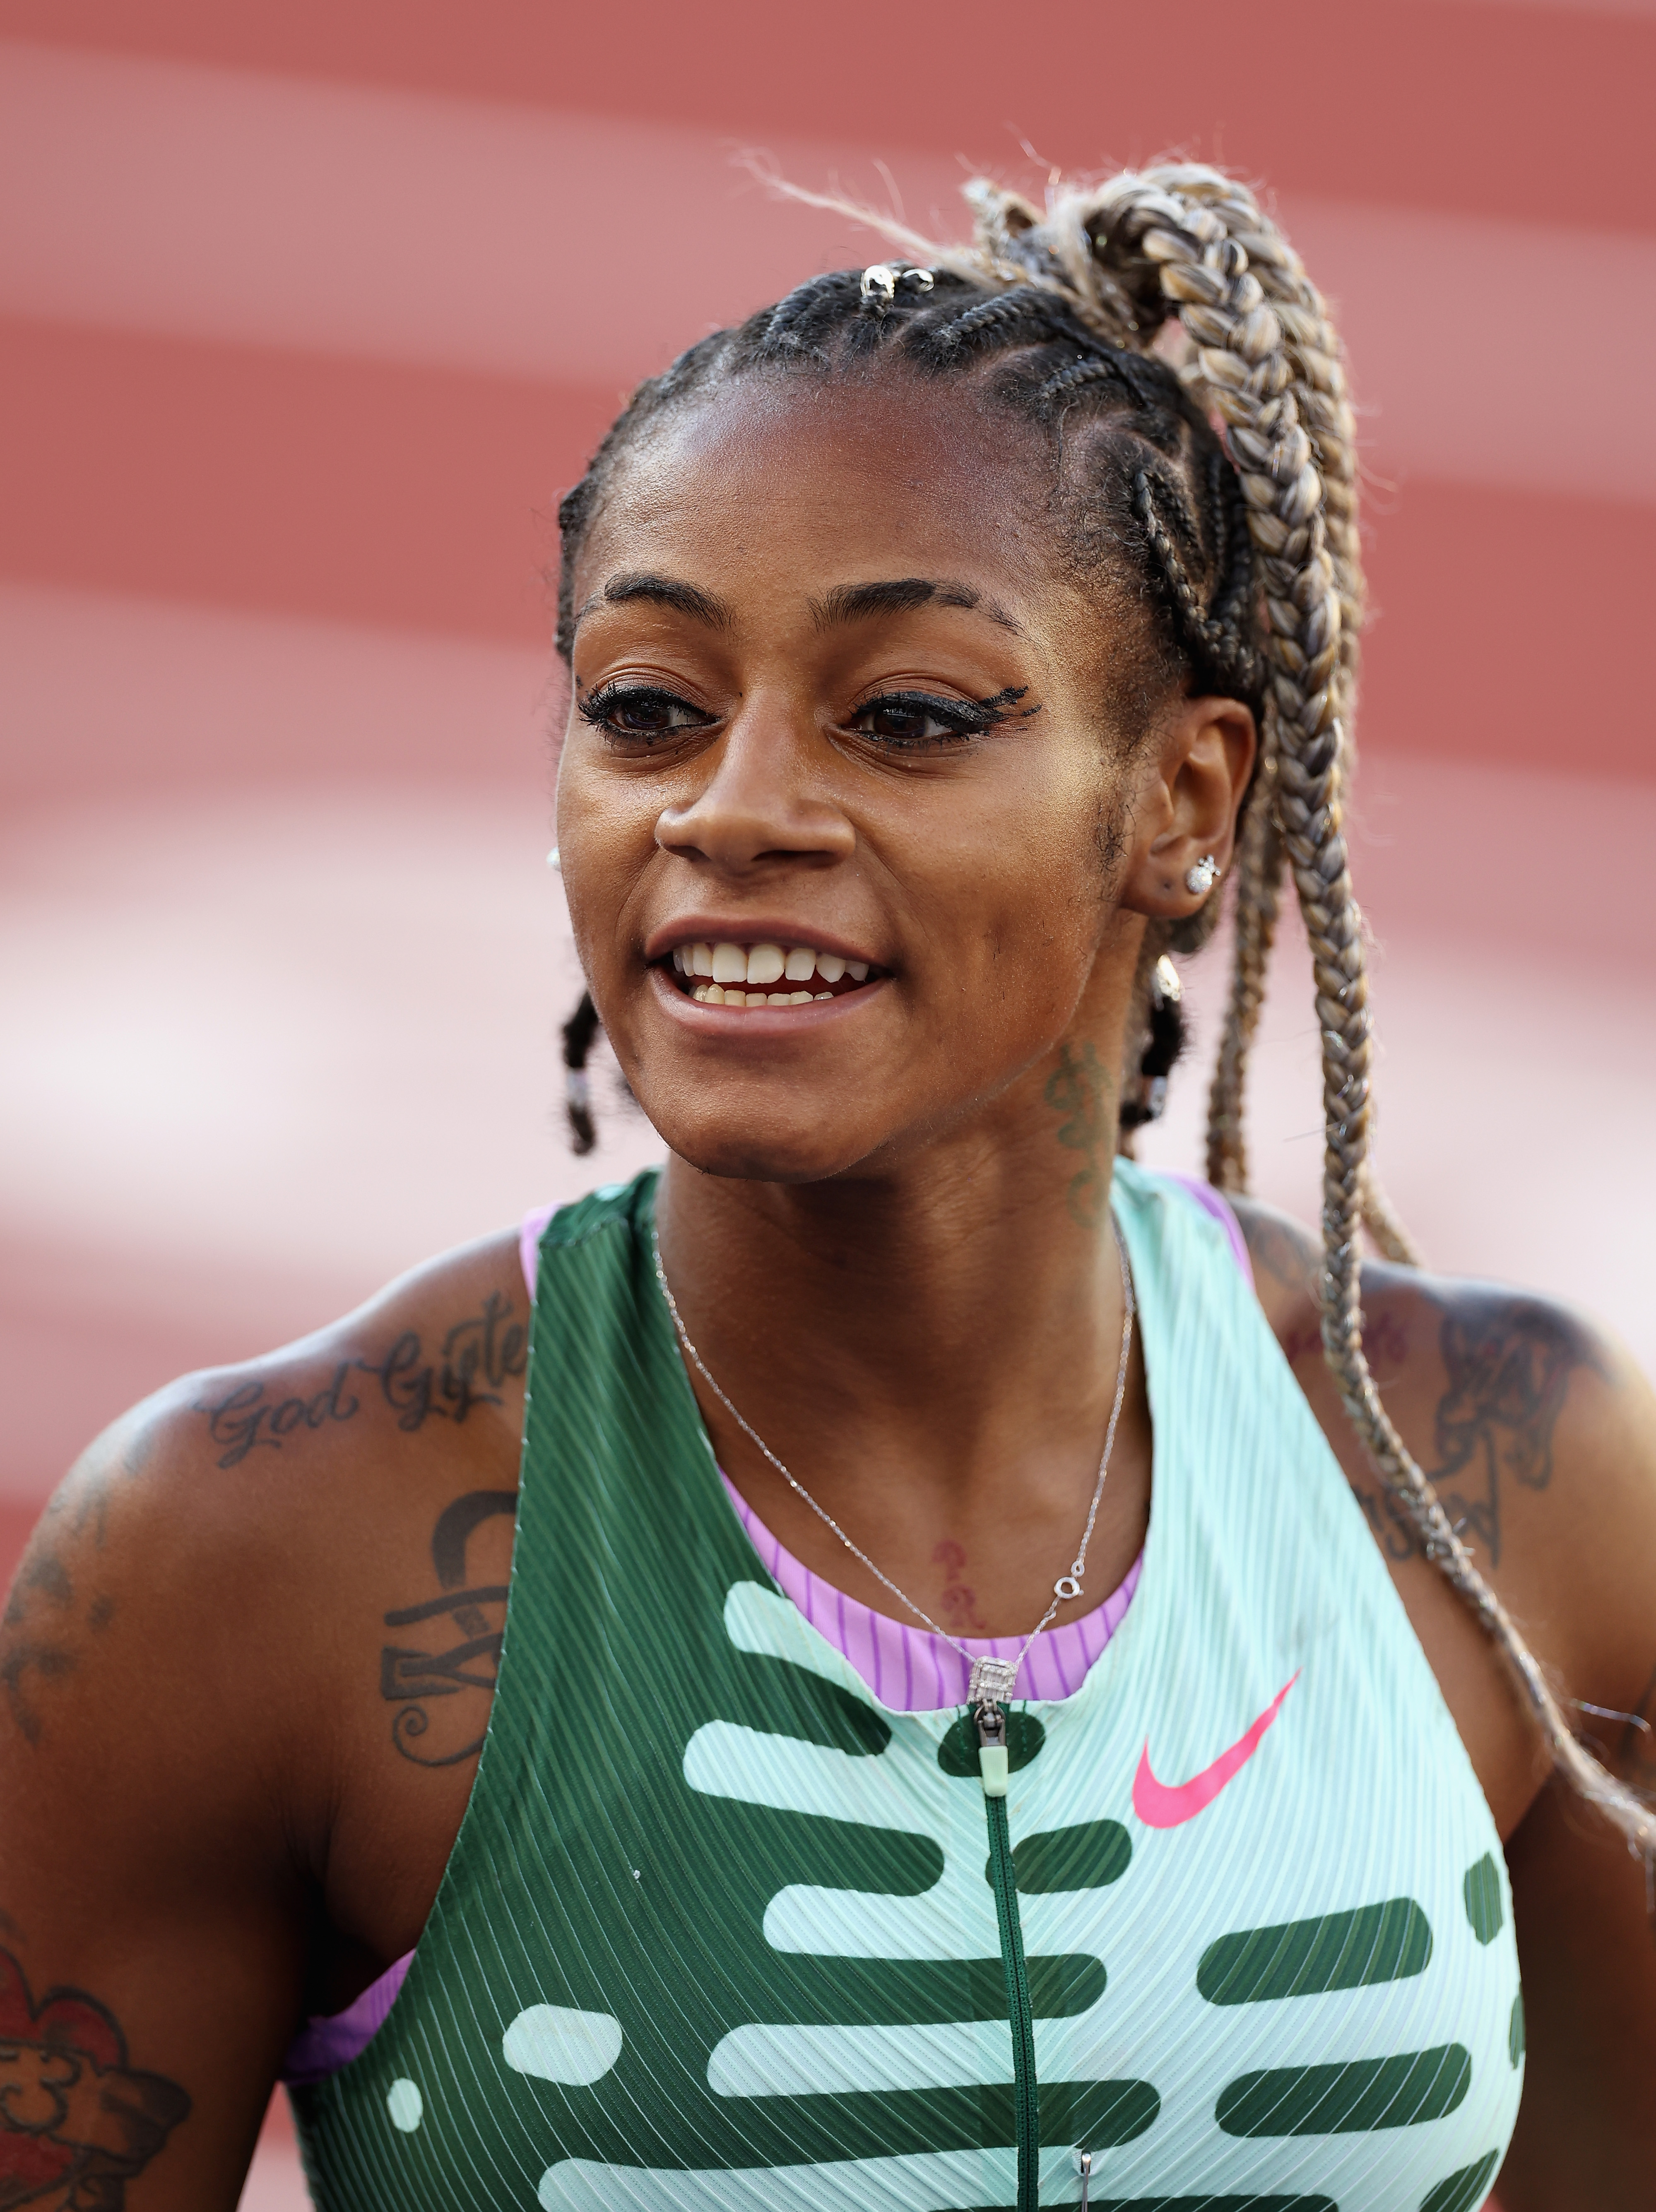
[[761, 800]]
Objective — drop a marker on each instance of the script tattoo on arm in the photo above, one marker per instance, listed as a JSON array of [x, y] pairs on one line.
[[414, 1680], [77, 2121], [471, 1363]]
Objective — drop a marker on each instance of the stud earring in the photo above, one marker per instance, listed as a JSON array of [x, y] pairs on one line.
[[1200, 879]]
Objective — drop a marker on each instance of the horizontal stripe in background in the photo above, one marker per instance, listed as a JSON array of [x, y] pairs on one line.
[[1534, 111]]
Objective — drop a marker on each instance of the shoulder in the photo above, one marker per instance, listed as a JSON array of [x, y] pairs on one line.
[[1535, 1426], [201, 1541]]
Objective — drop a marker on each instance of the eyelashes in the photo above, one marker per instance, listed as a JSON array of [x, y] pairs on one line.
[[900, 712], [898, 721], [641, 713]]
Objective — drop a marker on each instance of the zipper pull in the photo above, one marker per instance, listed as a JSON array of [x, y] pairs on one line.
[[1084, 2161], [992, 1749]]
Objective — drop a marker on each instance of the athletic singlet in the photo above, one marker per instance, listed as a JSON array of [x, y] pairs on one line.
[[716, 1931], [918, 1669]]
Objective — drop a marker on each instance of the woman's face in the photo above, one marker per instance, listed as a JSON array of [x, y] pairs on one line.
[[834, 698]]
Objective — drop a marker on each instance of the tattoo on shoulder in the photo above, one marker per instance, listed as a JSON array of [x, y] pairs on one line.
[[1506, 1366], [469, 1367], [77, 2121], [40, 1631], [416, 1680], [1282, 1249]]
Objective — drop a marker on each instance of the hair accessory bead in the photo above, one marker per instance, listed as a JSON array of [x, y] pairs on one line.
[[880, 284]]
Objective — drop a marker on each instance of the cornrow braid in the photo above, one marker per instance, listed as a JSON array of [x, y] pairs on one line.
[[1097, 368], [1025, 311], [1219, 643]]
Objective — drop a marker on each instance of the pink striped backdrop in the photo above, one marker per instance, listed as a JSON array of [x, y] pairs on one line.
[[306, 315]]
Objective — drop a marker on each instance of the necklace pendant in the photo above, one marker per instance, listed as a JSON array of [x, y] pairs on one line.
[[991, 1681], [1065, 1587]]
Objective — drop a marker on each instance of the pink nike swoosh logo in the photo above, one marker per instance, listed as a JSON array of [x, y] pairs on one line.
[[1160, 1807]]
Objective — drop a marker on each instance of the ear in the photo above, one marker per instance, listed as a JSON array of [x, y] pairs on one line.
[[1186, 807]]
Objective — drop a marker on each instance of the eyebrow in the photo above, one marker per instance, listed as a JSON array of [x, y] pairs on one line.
[[664, 592], [855, 603]]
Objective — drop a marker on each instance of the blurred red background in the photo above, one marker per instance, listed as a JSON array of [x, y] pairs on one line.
[[308, 313]]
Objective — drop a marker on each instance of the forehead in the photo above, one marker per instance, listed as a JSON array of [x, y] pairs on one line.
[[787, 475]]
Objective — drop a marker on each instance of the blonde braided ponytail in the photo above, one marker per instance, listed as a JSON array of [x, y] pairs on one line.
[[1189, 242]]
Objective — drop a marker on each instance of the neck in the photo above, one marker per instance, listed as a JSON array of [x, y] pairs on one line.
[[928, 1345]]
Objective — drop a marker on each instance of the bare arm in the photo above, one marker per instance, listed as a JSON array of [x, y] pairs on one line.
[[208, 1824], [1540, 1434]]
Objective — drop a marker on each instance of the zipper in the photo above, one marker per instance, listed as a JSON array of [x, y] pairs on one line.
[[993, 1765]]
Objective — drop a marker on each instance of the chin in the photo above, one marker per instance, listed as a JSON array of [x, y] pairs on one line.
[[714, 1146]]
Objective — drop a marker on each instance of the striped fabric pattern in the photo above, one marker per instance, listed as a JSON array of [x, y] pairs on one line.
[[716, 1931], [912, 1670]]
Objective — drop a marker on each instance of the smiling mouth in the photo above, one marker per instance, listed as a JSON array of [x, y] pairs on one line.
[[727, 974]]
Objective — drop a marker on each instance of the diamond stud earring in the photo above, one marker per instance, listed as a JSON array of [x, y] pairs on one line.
[[1199, 880]]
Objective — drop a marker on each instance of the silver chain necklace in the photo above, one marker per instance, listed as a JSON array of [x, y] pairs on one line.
[[992, 1680]]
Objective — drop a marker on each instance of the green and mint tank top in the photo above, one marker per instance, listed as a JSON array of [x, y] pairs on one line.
[[721, 1933]]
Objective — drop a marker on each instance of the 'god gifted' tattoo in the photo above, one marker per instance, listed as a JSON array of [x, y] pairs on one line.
[[1082, 1091], [474, 1359]]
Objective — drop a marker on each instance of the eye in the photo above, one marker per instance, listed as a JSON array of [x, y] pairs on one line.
[[908, 720], [640, 712]]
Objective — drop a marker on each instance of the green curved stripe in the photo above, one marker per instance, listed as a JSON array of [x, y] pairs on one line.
[[818, 1711], [1515, 2030], [1089, 1856], [1303, 1958], [1481, 1891], [1355, 2098], [1462, 2192], [957, 1755]]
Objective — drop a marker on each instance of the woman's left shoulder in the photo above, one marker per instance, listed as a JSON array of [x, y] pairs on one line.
[[1535, 1426]]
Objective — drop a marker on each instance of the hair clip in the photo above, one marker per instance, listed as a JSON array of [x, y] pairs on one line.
[[881, 278]]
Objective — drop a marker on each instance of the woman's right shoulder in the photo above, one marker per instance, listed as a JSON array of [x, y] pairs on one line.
[[221, 1511]]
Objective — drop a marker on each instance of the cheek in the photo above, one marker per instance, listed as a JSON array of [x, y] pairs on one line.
[[605, 837], [1037, 864]]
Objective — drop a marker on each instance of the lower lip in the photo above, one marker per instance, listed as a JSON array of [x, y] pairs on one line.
[[724, 1022]]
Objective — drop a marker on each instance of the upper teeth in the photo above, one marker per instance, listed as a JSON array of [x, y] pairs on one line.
[[724, 964]]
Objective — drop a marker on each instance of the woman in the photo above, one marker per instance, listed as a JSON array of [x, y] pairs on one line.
[[957, 1743]]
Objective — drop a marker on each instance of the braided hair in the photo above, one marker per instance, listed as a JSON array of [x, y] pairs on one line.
[[1238, 547]]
